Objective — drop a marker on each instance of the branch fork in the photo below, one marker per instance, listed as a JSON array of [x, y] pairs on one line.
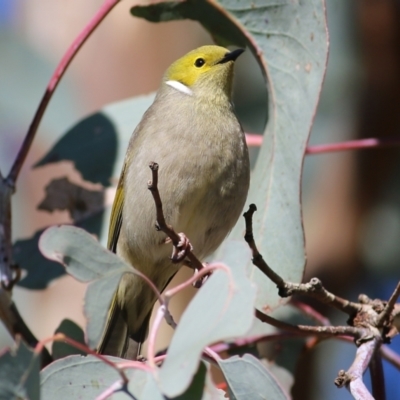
[[372, 322]]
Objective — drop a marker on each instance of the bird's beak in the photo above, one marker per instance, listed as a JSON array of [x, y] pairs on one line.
[[231, 56]]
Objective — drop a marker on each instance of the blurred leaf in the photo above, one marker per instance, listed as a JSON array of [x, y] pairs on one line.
[[91, 145], [61, 194], [290, 43], [19, 373], [86, 260], [116, 122], [40, 270], [247, 379], [223, 308], [73, 331], [97, 144]]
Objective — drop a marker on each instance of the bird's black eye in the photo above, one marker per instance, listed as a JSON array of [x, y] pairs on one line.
[[199, 62]]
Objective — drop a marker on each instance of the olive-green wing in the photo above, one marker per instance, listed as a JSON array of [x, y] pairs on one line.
[[116, 214]]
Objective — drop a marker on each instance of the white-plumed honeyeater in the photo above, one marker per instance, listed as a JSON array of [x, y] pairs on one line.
[[191, 131]]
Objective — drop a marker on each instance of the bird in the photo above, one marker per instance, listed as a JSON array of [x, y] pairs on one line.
[[192, 132]]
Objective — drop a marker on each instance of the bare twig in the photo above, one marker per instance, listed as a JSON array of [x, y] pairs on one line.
[[372, 321], [377, 377], [313, 288], [384, 317], [352, 379], [167, 229], [309, 330], [258, 259]]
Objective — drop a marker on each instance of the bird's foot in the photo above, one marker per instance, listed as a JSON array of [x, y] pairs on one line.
[[181, 249], [200, 282]]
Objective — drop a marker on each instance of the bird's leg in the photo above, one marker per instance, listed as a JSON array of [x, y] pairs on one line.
[[199, 283]]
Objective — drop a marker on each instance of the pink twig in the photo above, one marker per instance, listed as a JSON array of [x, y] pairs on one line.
[[60, 337], [115, 387], [360, 144], [255, 140], [152, 337], [389, 355], [204, 271], [160, 359], [152, 286], [211, 353], [107, 6], [311, 312]]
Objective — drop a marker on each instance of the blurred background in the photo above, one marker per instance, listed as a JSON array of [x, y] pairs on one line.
[[351, 199]]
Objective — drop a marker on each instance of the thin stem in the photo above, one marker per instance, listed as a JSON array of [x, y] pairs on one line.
[[60, 337], [152, 337], [389, 355], [107, 6], [314, 288], [161, 223], [255, 140], [361, 144], [205, 271], [258, 259], [385, 314], [377, 377], [306, 330], [352, 379], [310, 312]]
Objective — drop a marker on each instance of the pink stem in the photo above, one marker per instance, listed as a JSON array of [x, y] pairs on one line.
[[107, 6], [206, 270], [152, 337], [360, 144], [255, 140]]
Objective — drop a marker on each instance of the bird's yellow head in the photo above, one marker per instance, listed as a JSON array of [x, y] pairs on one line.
[[205, 70]]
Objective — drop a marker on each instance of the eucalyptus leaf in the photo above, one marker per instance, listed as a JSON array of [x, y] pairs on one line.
[[76, 377], [85, 145], [86, 260], [222, 309], [19, 373], [247, 378], [87, 377], [40, 271]]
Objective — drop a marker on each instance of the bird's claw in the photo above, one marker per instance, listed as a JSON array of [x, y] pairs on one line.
[[181, 249]]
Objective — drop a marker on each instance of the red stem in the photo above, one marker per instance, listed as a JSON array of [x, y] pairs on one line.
[[107, 6]]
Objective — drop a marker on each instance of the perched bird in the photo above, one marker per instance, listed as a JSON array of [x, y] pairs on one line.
[[191, 131]]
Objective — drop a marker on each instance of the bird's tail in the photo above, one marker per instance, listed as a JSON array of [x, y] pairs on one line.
[[116, 340]]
